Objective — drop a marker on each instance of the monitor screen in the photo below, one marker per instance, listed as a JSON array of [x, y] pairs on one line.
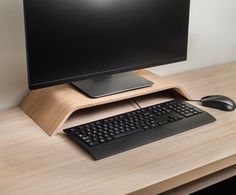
[[71, 40]]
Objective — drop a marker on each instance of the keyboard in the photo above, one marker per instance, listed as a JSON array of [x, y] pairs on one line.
[[109, 136]]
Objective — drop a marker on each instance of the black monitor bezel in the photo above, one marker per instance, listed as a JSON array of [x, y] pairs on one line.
[[66, 80]]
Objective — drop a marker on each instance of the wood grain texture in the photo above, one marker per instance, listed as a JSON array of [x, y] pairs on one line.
[[51, 107], [33, 163]]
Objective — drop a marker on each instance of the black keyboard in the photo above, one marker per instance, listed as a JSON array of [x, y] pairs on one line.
[[119, 133]]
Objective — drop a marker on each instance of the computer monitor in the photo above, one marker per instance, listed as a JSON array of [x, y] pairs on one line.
[[94, 44]]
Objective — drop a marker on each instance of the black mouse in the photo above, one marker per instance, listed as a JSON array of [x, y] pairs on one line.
[[219, 102]]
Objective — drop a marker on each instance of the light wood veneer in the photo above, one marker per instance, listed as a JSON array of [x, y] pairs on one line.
[[51, 107]]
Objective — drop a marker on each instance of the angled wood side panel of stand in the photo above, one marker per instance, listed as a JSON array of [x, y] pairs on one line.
[[51, 107]]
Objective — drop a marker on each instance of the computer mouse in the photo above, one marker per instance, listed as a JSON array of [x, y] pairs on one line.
[[219, 102]]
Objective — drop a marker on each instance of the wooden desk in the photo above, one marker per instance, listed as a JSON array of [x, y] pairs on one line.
[[31, 162]]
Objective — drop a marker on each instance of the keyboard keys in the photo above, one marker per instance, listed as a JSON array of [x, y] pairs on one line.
[[106, 130], [127, 133]]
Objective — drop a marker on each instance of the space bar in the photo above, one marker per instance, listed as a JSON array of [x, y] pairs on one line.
[[128, 133]]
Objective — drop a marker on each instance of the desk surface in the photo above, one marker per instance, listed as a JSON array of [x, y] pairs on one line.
[[33, 163]]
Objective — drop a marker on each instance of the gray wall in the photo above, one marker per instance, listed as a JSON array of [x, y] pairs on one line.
[[13, 82], [212, 41]]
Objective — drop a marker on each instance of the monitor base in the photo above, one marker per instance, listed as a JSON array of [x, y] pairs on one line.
[[112, 84]]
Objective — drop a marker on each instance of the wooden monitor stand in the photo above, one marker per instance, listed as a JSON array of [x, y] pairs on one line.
[[51, 107]]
